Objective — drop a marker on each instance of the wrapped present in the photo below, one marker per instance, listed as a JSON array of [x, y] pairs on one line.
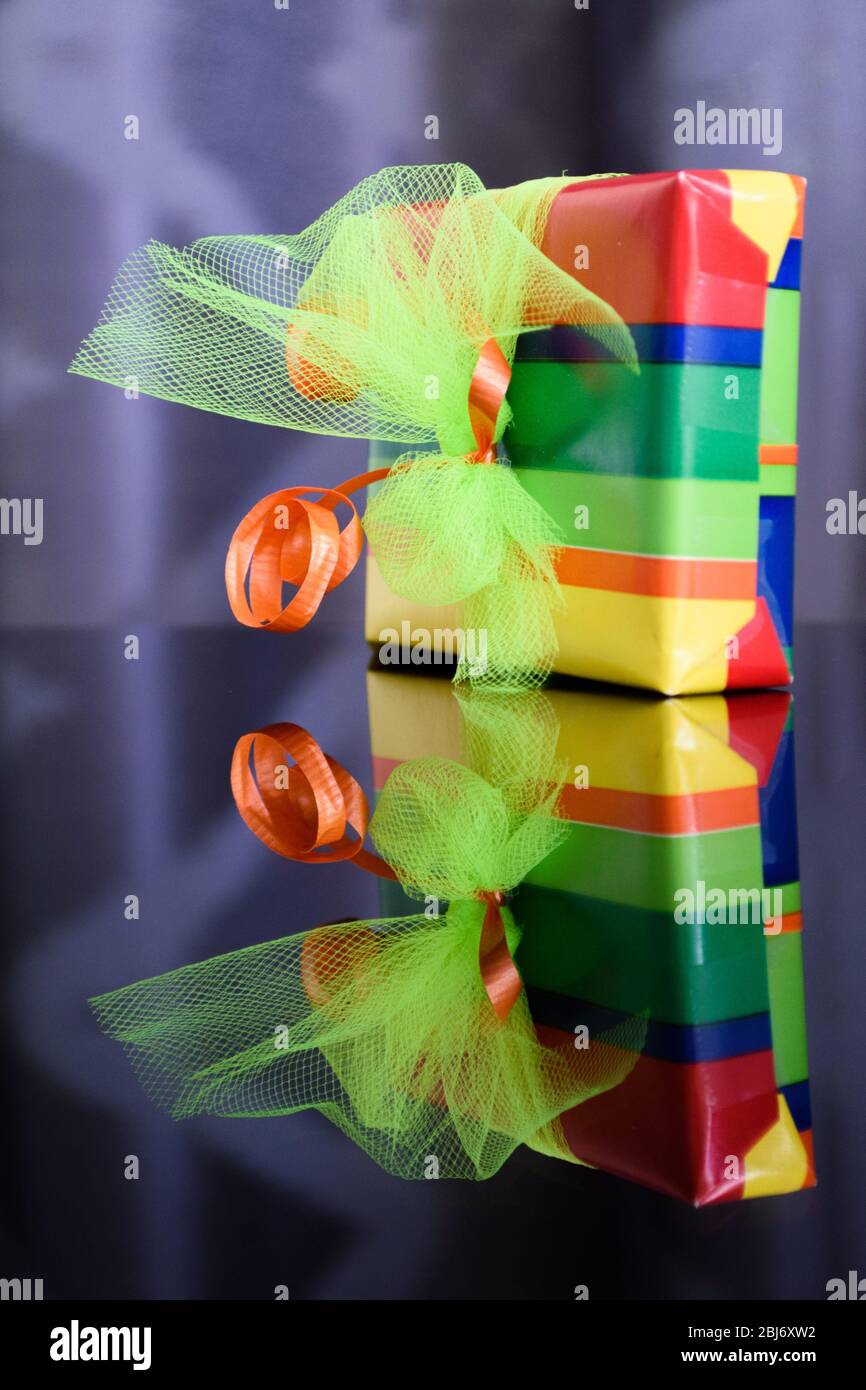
[[394, 317], [627, 344], [673, 486], [674, 898]]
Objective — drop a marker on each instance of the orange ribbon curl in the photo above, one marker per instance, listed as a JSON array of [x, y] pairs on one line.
[[289, 539]]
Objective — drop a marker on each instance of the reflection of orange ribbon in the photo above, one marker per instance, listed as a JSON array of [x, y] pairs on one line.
[[287, 538], [309, 815], [498, 971], [328, 958]]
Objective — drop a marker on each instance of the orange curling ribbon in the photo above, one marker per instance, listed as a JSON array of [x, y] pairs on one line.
[[498, 971], [289, 539], [302, 811]]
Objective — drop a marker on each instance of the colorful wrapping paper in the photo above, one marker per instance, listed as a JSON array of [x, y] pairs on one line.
[[674, 487], [665, 795]]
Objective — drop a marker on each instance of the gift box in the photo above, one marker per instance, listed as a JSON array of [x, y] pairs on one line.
[[673, 485], [674, 807]]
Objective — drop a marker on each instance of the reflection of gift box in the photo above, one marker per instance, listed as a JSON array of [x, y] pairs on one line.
[[675, 486], [666, 796]]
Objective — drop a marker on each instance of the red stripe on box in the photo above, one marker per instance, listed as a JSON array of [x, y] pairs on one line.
[[659, 575], [673, 1126], [755, 726], [382, 769], [662, 248], [761, 660]]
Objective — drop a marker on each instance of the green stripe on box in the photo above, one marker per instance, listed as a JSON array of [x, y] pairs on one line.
[[650, 516], [778, 418], [670, 420], [790, 898], [647, 870], [787, 1007], [778, 479], [639, 961]]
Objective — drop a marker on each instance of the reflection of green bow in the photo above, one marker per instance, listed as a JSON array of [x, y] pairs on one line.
[[386, 1026], [372, 322]]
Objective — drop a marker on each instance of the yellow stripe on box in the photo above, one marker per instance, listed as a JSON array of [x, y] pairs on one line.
[[627, 743], [659, 747], [383, 609], [676, 646], [412, 717]]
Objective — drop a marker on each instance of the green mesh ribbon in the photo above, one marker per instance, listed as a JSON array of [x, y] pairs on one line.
[[385, 1026], [370, 323]]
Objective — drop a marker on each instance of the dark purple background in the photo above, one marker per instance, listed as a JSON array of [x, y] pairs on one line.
[[115, 773]]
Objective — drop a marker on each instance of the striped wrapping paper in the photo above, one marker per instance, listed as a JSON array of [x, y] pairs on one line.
[[674, 486], [716, 1107]]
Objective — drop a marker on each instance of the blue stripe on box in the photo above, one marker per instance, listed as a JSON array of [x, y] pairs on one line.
[[654, 342], [779, 848], [799, 1104], [776, 562], [788, 277], [667, 1042]]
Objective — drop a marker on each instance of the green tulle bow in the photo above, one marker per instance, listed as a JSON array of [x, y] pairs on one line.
[[371, 323]]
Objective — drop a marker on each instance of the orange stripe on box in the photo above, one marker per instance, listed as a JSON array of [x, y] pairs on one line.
[[792, 921], [658, 575], [653, 814], [646, 812], [800, 187], [777, 453], [808, 1144]]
